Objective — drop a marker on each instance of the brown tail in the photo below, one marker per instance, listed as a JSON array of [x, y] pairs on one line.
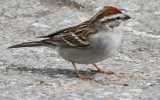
[[32, 44]]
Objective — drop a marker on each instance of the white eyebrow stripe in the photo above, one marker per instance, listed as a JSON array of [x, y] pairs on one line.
[[111, 17]]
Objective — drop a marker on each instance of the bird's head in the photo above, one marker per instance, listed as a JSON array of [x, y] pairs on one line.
[[109, 15]]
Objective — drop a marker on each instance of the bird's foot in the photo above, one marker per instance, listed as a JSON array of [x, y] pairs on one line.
[[101, 71], [82, 76]]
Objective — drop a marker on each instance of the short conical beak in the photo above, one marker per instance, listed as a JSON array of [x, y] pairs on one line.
[[126, 17]]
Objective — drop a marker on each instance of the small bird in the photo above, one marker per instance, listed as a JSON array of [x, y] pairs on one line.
[[89, 42]]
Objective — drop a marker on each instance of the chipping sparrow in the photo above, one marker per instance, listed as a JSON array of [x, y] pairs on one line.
[[89, 42]]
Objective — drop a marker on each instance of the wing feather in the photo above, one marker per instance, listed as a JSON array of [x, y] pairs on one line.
[[74, 36]]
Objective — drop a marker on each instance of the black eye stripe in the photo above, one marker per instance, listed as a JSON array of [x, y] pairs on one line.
[[118, 18]]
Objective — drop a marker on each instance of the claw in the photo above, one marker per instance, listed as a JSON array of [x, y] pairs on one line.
[[101, 71]]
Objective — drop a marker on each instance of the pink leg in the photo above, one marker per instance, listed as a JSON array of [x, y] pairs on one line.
[[100, 70], [79, 75]]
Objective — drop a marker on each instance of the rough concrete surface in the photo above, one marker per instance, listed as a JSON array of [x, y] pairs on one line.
[[40, 74]]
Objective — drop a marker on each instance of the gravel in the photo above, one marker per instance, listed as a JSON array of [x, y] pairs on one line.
[[39, 73]]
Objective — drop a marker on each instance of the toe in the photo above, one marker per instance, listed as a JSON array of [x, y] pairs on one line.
[[109, 73]]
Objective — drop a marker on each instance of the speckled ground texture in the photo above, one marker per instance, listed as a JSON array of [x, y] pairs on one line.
[[40, 74]]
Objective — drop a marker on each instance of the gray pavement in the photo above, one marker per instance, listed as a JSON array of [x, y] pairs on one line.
[[40, 74]]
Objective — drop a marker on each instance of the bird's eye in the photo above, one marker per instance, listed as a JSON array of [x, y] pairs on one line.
[[118, 18]]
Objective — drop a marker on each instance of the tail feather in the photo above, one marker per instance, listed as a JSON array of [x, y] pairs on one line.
[[32, 44]]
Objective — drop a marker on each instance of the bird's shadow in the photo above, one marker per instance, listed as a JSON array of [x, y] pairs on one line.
[[51, 72]]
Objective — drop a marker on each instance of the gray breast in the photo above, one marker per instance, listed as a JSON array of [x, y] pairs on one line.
[[101, 48]]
